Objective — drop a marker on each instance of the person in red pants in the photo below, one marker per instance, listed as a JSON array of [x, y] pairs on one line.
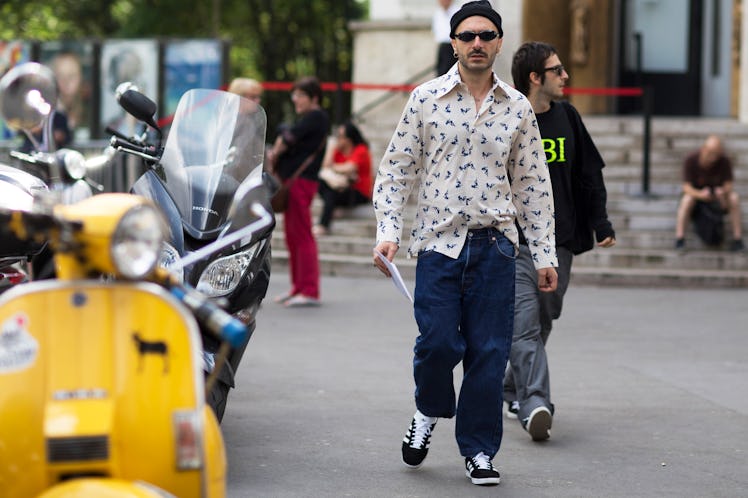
[[294, 145]]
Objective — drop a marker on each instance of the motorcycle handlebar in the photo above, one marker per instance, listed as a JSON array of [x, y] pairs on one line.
[[125, 144], [27, 225], [30, 158], [116, 133], [211, 316]]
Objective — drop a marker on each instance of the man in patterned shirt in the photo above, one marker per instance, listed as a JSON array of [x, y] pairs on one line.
[[471, 143]]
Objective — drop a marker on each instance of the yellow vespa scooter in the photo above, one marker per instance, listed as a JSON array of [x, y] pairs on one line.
[[101, 381]]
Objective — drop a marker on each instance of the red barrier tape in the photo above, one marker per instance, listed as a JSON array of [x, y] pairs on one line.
[[347, 87]]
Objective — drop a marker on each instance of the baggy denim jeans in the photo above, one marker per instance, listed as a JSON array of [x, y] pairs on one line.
[[464, 309]]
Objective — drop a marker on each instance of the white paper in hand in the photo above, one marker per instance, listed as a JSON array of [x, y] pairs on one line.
[[396, 278]]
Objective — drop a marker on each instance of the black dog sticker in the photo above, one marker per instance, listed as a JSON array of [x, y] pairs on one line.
[[155, 348]]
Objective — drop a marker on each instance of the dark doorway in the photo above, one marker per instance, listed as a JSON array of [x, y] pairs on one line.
[[660, 47]]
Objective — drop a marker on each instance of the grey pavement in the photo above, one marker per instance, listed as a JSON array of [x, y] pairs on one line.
[[650, 388]]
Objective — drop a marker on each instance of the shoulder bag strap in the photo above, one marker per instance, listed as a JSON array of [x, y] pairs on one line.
[[307, 161]]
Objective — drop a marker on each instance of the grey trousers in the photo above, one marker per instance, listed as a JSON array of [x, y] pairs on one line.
[[527, 379]]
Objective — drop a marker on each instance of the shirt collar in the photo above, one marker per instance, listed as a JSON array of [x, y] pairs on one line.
[[452, 78]]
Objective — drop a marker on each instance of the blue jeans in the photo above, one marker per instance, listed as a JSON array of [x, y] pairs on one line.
[[464, 309]]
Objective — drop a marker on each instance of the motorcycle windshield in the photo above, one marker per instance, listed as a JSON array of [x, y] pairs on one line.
[[216, 142]]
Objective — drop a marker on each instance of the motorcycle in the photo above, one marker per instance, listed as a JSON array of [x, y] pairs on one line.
[[101, 385], [26, 94], [216, 140], [17, 190]]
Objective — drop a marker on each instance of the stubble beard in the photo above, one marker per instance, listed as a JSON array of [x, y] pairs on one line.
[[476, 67]]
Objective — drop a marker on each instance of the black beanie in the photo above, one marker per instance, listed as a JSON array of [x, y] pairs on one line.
[[477, 8]]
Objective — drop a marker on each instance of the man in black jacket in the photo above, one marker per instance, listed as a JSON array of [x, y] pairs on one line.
[[580, 198]]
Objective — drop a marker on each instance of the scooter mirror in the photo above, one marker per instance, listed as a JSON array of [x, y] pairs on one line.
[[137, 104], [28, 93]]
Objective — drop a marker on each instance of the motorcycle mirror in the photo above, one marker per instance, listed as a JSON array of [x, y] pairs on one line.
[[138, 105], [28, 94]]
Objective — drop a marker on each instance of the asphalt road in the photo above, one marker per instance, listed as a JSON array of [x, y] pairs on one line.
[[650, 388]]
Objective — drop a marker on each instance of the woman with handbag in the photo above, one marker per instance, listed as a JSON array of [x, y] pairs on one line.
[[296, 157], [345, 177]]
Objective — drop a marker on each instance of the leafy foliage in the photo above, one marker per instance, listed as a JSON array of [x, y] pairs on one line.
[[271, 40]]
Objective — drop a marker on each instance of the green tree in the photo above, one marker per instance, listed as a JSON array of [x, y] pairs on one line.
[[288, 39], [271, 40]]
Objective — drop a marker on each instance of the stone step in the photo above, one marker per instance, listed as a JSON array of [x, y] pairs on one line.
[[659, 253], [352, 266], [631, 219], [353, 235]]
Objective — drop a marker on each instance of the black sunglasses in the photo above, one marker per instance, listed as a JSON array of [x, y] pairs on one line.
[[559, 70], [468, 36]]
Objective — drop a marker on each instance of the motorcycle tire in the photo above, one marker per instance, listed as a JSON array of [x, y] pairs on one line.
[[217, 398]]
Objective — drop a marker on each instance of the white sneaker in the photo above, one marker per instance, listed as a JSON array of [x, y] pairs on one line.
[[512, 409], [538, 424], [301, 301]]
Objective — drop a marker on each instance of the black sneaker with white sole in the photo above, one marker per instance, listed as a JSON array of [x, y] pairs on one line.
[[417, 439], [480, 471], [538, 424], [512, 409]]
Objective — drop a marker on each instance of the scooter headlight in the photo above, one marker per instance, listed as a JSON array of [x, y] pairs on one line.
[[222, 276], [73, 162], [137, 241]]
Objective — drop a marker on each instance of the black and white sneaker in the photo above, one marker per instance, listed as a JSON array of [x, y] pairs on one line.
[[538, 424], [512, 409], [417, 439], [480, 471]]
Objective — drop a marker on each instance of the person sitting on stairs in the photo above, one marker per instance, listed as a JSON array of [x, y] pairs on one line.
[[708, 178]]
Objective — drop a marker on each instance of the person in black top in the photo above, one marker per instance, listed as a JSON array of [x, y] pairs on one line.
[[580, 198], [307, 138]]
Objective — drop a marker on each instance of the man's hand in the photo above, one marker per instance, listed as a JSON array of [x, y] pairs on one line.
[[388, 249], [547, 279], [607, 242]]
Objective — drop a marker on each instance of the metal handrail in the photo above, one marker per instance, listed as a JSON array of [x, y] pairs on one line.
[[356, 117]]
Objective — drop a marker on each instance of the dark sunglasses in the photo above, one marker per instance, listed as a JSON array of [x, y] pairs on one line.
[[468, 36], [559, 70]]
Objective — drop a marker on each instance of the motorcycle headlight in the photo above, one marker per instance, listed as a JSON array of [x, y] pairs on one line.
[[223, 275], [137, 240], [73, 162], [168, 258]]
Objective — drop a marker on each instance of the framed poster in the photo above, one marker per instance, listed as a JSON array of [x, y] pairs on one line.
[[190, 64], [12, 52], [135, 61], [73, 65]]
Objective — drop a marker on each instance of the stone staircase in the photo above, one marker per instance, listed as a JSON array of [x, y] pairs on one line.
[[644, 224]]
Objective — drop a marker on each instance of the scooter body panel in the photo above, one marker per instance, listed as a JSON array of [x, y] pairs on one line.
[[102, 488], [94, 380]]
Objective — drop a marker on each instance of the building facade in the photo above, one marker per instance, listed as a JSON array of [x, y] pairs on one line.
[[688, 52]]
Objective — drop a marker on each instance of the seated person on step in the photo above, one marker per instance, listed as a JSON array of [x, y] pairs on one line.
[[708, 179], [345, 178]]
